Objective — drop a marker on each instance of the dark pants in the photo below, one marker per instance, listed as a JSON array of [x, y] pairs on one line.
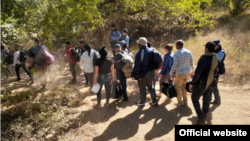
[[106, 81], [215, 90], [90, 77], [196, 94], [86, 78], [149, 83], [123, 82], [31, 73], [73, 71], [17, 69]]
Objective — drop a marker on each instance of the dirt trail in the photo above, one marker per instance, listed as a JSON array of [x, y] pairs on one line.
[[125, 121]]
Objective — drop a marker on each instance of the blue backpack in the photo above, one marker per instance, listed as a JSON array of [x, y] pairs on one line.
[[156, 59]]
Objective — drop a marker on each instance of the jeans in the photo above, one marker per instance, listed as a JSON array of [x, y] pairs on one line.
[[215, 90], [147, 82], [106, 81], [17, 69], [180, 86], [196, 94], [90, 77], [123, 82], [73, 71]]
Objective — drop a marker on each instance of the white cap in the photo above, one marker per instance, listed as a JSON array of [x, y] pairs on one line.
[[142, 41]]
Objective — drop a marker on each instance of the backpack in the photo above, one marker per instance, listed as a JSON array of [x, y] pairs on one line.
[[48, 58], [9, 59], [221, 65], [23, 56], [129, 64], [156, 60], [169, 90], [94, 58], [75, 55], [116, 91]]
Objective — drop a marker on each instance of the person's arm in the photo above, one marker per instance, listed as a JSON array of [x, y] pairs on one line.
[[95, 74], [192, 64], [81, 62], [127, 41], [137, 64], [165, 64], [119, 34], [174, 66], [201, 66], [112, 72]]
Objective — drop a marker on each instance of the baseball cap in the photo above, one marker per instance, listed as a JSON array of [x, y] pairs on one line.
[[117, 45], [122, 43], [217, 42]]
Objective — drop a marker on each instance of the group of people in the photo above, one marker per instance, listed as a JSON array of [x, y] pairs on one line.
[[177, 69]]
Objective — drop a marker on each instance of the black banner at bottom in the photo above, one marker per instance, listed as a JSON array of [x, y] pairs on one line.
[[215, 132]]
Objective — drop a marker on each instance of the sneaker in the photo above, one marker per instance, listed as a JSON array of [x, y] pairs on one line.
[[199, 122], [214, 102], [97, 106], [139, 103], [154, 103], [18, 80], [177, 104], [185, 105]]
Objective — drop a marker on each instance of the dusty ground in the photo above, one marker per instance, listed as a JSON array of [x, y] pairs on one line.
[[125, 121]]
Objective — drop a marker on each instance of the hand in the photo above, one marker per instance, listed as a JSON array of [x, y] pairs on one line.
[[95, 81], [191, 87], [192, 74], [170, 77], [160, 77]]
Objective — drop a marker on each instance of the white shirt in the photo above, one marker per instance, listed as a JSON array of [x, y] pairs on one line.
[[86, 61], [16, 58], [183, 62]]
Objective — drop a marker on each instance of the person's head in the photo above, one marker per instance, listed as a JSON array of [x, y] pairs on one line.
[[149, 45], [88, 48], [37, 42], [103, 52], [168, 48], [117, 48], [81, 43], [142, 42], [113, 27], [209, 47], [125, 31], [179, 44], [123, 44], [67, 43], [217, 45]]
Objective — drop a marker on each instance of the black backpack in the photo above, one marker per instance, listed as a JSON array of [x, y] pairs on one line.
[[94, 58], [9, 59], [23, 56], [75, 55], [168, 90], [221, 65], [116, 91]]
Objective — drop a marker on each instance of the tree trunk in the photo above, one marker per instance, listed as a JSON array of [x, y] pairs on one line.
[[100, 36]]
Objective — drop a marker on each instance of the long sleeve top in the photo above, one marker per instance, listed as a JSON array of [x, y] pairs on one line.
[[126, 39], [167, 63], [115, 35], [86, 61], [183, 62]]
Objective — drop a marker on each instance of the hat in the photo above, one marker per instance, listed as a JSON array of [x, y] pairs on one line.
[[122, 43], [117, 45], [210, 46], [81, 41], [125, 30], [142, 41], [217, 42]]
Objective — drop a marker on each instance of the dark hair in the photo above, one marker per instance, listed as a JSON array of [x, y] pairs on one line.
[[210, 46], [88, 48], [103, 52], [2, 47], [81, 41], [112, 25], [149, 45], [219, 49], [169, 47], [68, 42], [36, 41], [180, 44]]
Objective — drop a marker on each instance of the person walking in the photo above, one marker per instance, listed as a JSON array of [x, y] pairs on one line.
[[143, 73], [167, 64], [125, 36], [119, 73], [81, 51], [183, 64], [221, 55], [203, 81], [72, 64], [104, 75], [115, 38], [17, 64], [87, 63]]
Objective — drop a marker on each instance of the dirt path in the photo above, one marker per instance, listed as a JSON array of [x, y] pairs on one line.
[[125, 121]]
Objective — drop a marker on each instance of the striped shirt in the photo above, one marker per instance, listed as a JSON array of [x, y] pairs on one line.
[[183, 62]]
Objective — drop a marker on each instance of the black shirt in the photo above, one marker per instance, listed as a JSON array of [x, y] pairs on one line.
[[104, 65], [35, 52]]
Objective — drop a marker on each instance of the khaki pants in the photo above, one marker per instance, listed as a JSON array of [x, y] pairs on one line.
[[41, 74], [180, 84]]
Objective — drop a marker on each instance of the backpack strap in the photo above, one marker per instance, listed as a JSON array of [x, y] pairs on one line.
[[224, 55]]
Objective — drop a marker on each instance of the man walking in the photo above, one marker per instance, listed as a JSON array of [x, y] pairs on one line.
[[72, 64], [81, 50], [119, 73], [143, 73], [203, 81], [125, 36], [182, 65], [115, 38]]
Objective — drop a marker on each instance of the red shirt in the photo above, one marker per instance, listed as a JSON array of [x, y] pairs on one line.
[[69, 53]]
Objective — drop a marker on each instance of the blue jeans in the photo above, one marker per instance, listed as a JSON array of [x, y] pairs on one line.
[[106, 81], [123, 82]]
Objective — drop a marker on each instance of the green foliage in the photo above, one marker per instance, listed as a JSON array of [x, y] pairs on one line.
[[8, 99]]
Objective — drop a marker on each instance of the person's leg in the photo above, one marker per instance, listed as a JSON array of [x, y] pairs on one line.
[[196, 94], [17, 69], [206, 101], [108, 88], [26, 70], [151, 89], [99, 80], [90, 77], [74, 72], [142, 87], [86, 78], [31, 73], [217, 99], [124, 88], [178, 86], [163, 79], [184, 91]]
